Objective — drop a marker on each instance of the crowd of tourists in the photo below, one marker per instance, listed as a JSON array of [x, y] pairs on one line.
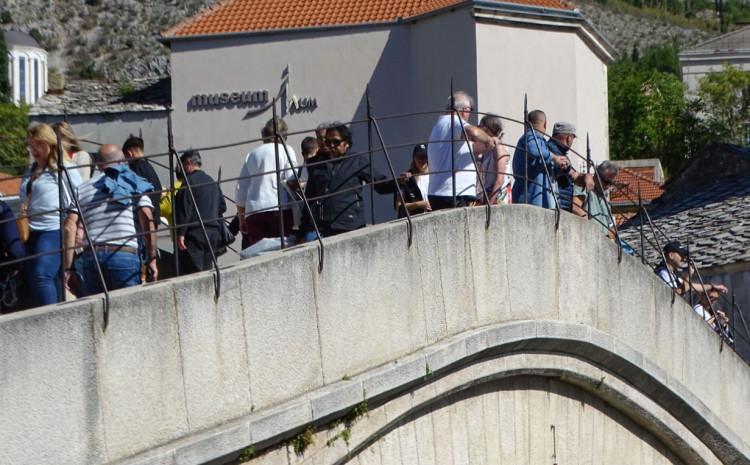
[[104, 211]]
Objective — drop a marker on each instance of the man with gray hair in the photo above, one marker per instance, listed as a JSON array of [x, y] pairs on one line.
[[448, 149], [594, 204], [563, 136], [110, 202]]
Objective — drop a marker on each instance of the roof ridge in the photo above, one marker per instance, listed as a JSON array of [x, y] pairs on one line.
[[718, 38], [208, 11]]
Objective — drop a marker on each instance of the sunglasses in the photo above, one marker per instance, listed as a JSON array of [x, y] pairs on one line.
[[334, 142]]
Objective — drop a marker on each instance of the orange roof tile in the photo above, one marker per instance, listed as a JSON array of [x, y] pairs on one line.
[[235, 16], [9, 184], [635, 180]]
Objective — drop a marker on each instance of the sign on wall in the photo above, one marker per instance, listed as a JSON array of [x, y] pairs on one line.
[[257, 100]]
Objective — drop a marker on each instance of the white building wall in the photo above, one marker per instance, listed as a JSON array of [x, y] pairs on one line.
[[567, 81], [334, 69], [409, 68], [694, 67]]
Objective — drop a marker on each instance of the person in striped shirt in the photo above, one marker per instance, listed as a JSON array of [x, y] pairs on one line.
[[116, 209]]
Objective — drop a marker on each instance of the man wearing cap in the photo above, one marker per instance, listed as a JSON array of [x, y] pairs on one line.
[[534, 165], [563, 135], [674, 257]]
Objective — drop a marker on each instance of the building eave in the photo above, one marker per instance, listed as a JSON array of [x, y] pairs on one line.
[[547, 18]]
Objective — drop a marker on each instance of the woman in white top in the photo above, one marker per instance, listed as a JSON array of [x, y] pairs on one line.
[[40, 194], [257, 192]]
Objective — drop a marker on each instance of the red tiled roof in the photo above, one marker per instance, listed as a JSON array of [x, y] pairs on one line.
[[634, 180], [233, 16], [9, 185]]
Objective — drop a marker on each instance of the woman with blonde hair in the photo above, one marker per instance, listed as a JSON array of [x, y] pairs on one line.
[[74, 153], [40, 200]]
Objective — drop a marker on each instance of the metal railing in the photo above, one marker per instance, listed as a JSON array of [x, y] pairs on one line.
[[650, 235]]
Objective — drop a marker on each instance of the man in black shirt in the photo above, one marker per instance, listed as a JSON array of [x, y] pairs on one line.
[[195, 250], [133, 150]]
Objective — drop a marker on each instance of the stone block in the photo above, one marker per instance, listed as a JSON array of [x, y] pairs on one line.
[[487, 257], [215, 444], [394, 376], [363, 312], [49, 390], [140, 369], [280, 421], [446, 353], [532, 265], [337, 399], [214, 351], [280, 324]]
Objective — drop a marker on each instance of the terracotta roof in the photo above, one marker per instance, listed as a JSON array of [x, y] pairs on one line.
[[9, 185], [235, 16], [634, 180]]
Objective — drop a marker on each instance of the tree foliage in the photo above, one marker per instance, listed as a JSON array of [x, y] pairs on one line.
[[650, 115], [5, 89], [14, 120], [724, 100]]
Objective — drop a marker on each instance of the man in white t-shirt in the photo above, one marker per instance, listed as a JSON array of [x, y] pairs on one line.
[[448, 150]]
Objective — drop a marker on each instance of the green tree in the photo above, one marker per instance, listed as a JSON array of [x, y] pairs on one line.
[[5, 89], [724, 100], [650, 115], [14, 120], [661, 58]]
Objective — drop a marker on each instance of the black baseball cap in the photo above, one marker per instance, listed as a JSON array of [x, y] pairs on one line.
[[676, 247], [420, 149]]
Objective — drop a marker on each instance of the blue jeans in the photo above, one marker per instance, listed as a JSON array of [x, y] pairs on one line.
[[43, 273], [120, 269]]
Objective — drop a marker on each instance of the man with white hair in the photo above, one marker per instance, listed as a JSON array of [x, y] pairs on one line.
[[594, 204], [110, 202], [448, 149]]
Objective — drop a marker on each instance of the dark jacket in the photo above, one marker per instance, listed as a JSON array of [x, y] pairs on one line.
[[411, 193], [211, 205], [143, 168], [208, 198], [344, 211]]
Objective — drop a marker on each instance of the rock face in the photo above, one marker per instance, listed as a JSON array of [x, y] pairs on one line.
[[114, 39], [626, 32]]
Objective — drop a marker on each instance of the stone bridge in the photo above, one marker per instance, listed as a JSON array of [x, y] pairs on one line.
[[510, 344]]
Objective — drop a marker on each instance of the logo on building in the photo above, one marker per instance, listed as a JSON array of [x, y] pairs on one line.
[[251, 97], [258, 100]]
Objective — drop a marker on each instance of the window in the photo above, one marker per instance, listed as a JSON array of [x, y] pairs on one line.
[[22, 78], [37, 80]]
